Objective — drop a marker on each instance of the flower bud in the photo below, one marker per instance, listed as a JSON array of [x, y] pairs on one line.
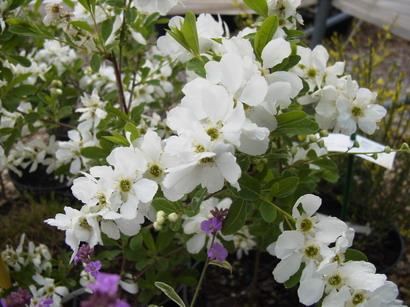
[[405, 146], [293, 150], [160, 214], [356, 144], [375, 156], [160, 220], [323, 133], [56, 91], [173, 217], [321, 143], [157, 226], [56, 83], [388, 149], [312, 138]]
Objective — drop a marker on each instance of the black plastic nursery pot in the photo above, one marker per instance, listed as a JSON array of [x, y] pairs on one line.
[[383, 247], [39, 184]]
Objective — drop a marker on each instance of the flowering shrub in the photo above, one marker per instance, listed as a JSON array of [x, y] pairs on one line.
[[227, 166]]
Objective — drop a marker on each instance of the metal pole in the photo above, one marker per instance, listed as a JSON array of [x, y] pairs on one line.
[[334, 20], [348, 184], [320, 22]]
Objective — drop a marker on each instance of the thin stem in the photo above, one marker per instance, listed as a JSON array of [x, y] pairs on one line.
[[289, 224], [50, 121], [339, 154], [118, 80], [132, 89], [201, 279]]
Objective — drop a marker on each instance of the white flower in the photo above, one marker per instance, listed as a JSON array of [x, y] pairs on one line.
[[54, 12], [70, 151], [357, 107], [54, 53], [207, 28], [152, 147], [286, 12], [93, 109], [204, 162], [49, 289], [79, 226], [275, 52], [244, 242], [126, 177]]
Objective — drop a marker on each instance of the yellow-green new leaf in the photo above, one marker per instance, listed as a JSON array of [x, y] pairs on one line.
[[265, 33], [226, 265], [190, 32], [170, 292]]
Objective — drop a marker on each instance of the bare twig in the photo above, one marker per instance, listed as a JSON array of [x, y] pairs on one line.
[[118, 80]]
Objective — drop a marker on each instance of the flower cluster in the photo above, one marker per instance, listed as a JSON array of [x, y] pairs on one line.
[[318, 248], [44, 292]]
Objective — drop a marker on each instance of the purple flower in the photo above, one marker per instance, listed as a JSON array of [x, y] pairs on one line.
[[105, 292], [105, 283], [211, 226], [93, 268], [45, 302], [17, 299], [218, 252], [84, 254]]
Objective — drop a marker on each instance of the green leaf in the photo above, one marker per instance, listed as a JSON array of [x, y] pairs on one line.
[[93, 152], [164, 239], [136, 113], [131, 128], [116, 140], [294, 33], [236, 217], [294, 279], [85, 4], [259, 6], [115, 3], [188, 277], [95, 63], [265, 33], [15, 4], [225, 265], [194, 207], [143, 263], [197, 66], [295, 122], [149, 241], [136, 242], [190, 32], [32, 117], [170, 292], [106, 29], [82, 25], [23, 90], [284, 187], [65, 111], [179, 37], [268, 212], [23, 61], [250, 188], [162, 204], [355, 255], [5, 131]]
